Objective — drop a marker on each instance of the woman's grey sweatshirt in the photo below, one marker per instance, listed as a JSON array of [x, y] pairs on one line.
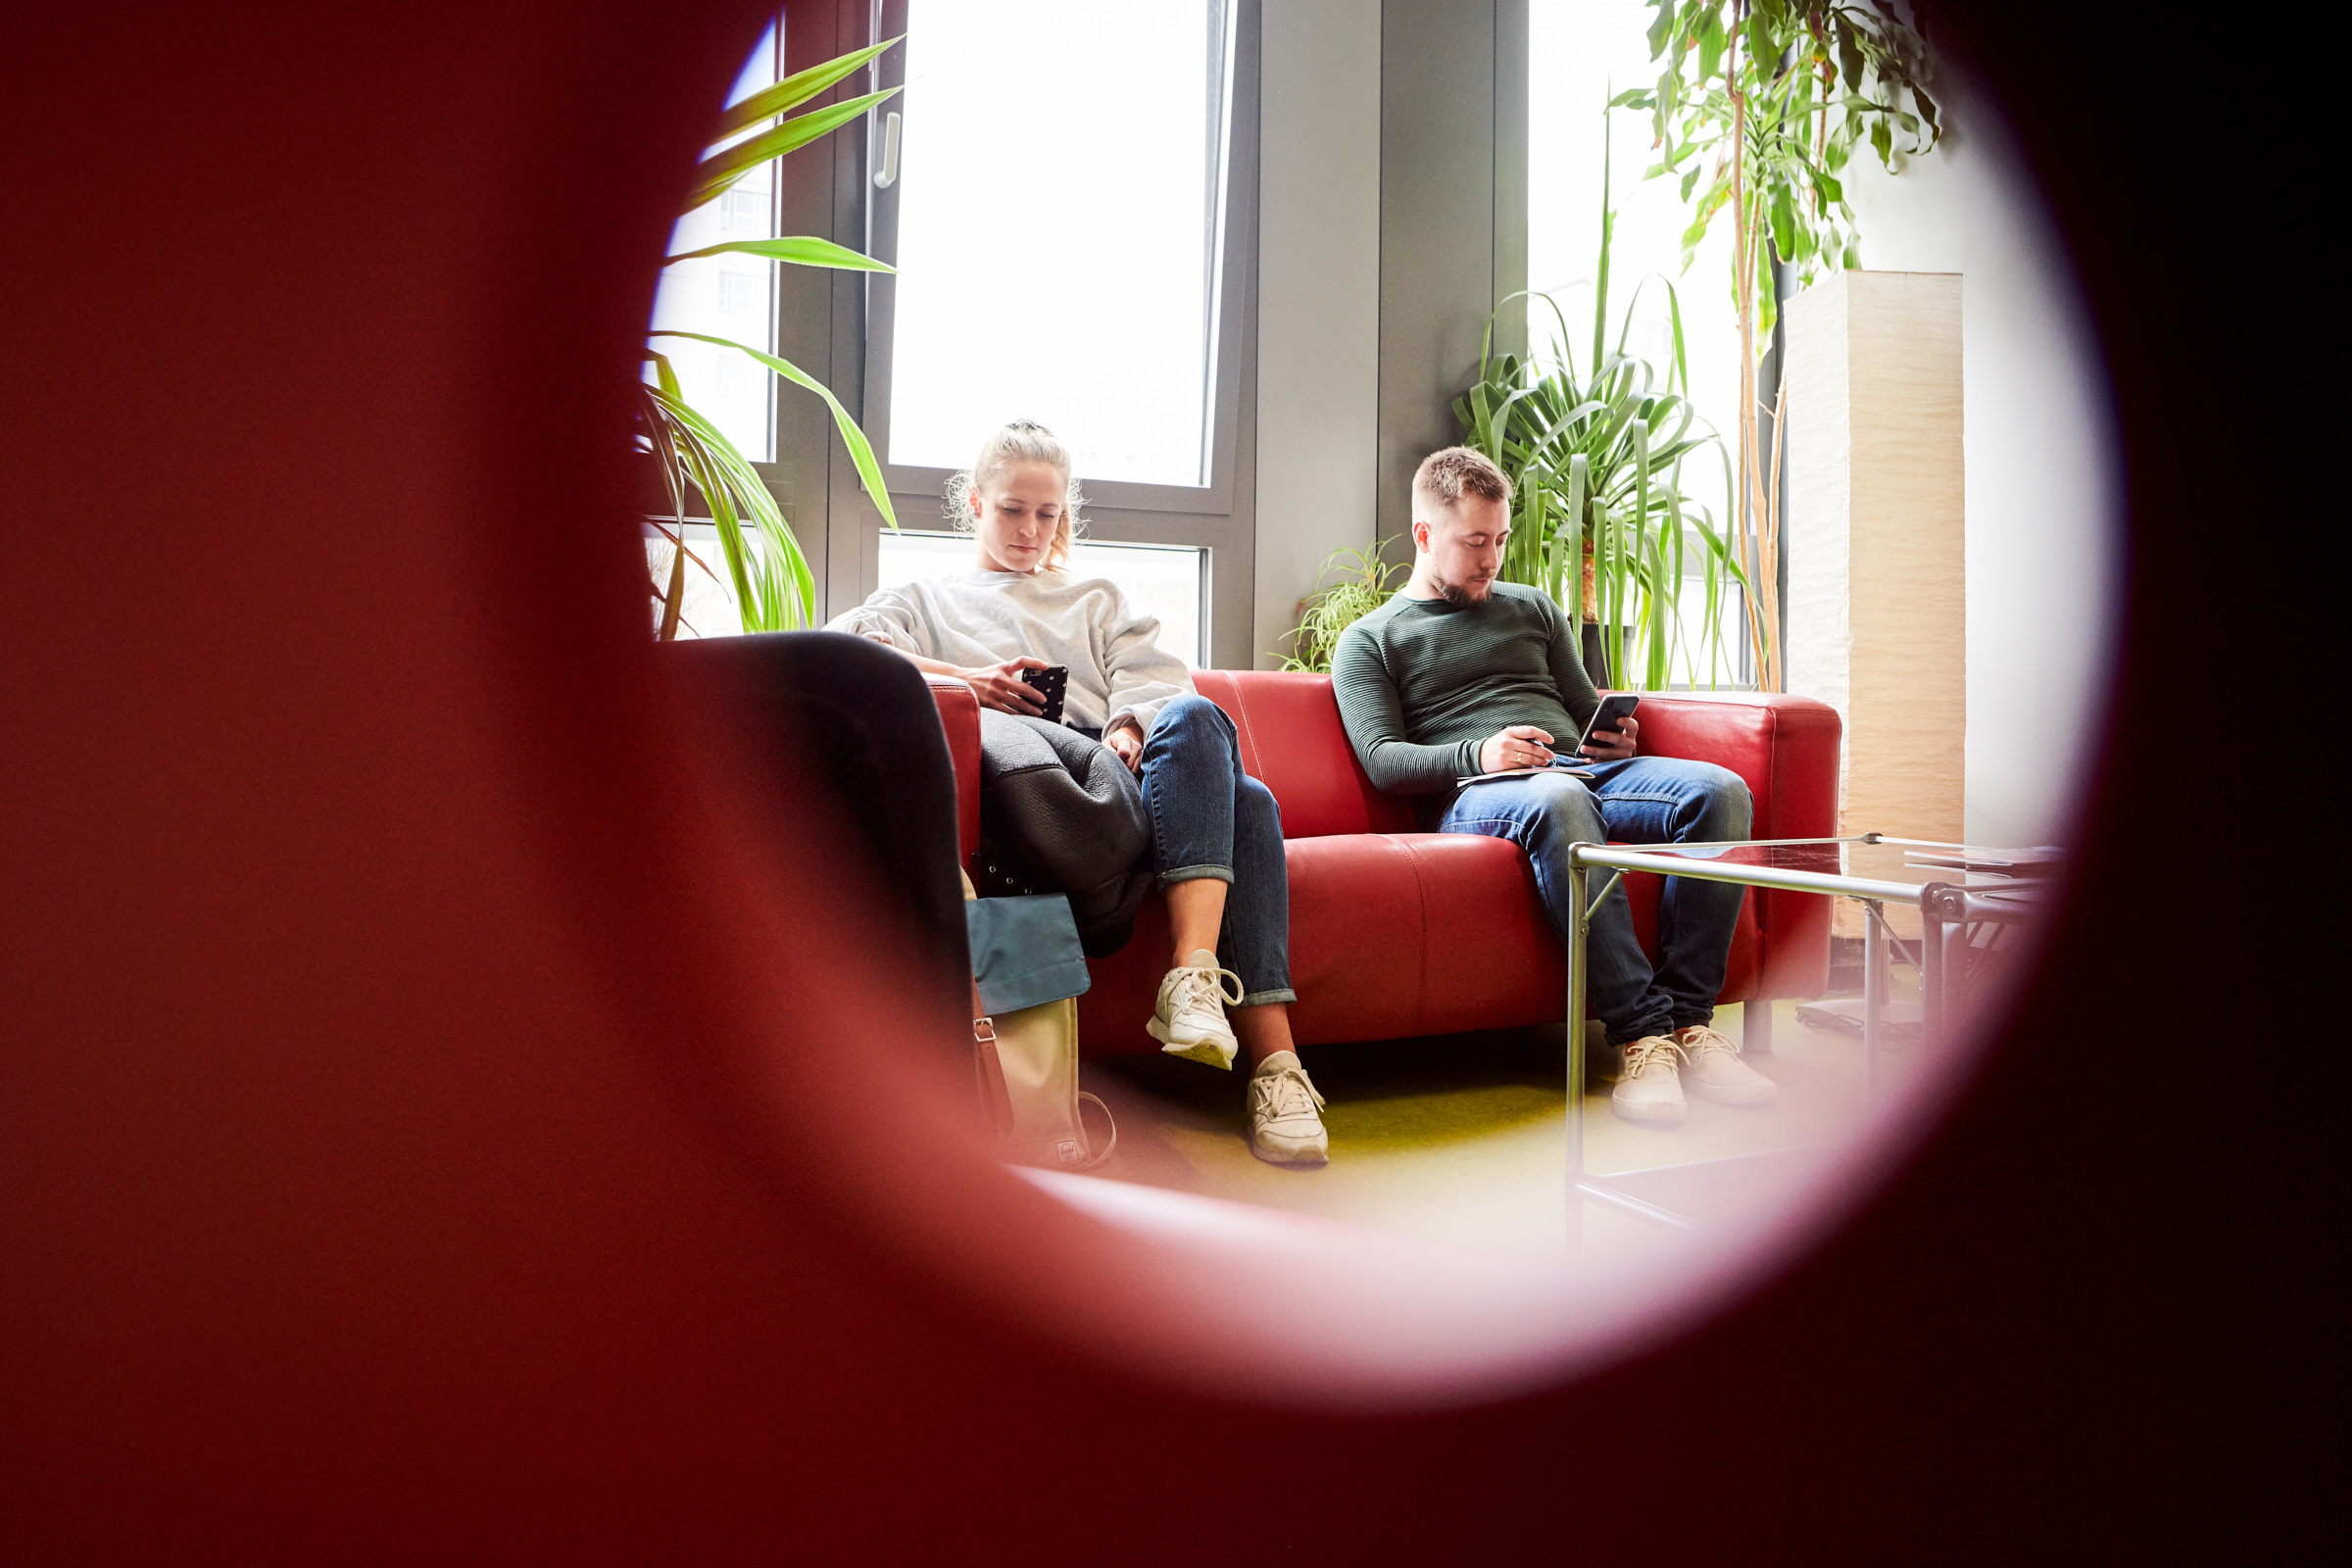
[[1117, 667]]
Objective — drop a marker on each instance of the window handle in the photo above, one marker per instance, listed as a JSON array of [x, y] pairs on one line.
[[888, 174]]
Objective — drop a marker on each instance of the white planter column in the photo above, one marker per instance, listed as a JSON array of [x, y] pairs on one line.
[[1875, 540]]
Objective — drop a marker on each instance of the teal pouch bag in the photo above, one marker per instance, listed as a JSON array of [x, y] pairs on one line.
[[1025, 951]]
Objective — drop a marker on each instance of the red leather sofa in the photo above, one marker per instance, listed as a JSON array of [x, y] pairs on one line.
[[1395, 932]]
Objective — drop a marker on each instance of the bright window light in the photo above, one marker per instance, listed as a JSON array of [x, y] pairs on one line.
[[1059, 180], [1581, 52], [733, 297], [1160, 580], [711, 608]]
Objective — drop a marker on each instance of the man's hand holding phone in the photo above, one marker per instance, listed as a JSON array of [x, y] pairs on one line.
[[1609, 733], [1612, 746]]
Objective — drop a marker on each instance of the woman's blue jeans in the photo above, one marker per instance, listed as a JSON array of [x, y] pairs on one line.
[[1210, 818], [1642, 800]]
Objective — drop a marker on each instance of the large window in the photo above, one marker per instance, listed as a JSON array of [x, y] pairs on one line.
[[1059, 204], [1068, 195], [1581, 52], [1072, 210]]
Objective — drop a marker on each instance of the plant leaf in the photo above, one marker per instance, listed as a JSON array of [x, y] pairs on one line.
[[800, 250], [793, 90], [861, 451], [715, 173], [1661, 27], [668, 377], [1711, 42]]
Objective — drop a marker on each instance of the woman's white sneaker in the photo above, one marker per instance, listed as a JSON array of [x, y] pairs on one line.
[[1189, 1018], [1647, 1086], [1714, 1070], [1284, 1127]]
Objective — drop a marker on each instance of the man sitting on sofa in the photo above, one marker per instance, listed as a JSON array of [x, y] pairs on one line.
[[1459, 674]]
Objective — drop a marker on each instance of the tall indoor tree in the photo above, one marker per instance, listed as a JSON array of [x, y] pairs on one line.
[[1779, 92]]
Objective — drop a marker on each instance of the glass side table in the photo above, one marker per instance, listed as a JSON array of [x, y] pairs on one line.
[[1968, 897]]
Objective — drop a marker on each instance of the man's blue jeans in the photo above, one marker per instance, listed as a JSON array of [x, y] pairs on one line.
[[1642, 800], [1210, 818]]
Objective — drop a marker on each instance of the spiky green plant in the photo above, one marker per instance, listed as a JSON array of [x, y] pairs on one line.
[[774, 588], [1595, 465], [1365, 584]]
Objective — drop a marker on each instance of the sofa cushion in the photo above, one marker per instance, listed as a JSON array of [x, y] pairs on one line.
[[1391, 934], [1293, 740]]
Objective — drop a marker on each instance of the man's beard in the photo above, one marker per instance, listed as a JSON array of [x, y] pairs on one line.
[[1463, 598]]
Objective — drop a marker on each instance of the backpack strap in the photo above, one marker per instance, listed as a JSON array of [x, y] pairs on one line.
[[1109, 1144], [988, 1069]]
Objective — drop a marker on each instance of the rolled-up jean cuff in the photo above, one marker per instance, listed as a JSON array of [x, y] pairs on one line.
[[1189, 873], [1259, 999]]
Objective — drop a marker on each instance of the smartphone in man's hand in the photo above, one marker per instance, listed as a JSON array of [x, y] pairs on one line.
[[1614, 709]]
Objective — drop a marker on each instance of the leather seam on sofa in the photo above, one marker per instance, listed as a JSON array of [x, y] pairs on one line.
[[1412, 857]]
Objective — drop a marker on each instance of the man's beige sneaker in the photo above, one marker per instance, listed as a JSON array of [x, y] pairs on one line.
[[1188, 1019], [1713, 1070], [1283, 1128], [1647, 1086]]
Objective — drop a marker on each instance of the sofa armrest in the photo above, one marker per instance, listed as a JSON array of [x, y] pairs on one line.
[[1785, 750], [1784, 747], [960, 716]]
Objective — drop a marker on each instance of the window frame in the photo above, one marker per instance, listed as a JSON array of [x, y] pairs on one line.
[[1218, 518], [1225, 305]]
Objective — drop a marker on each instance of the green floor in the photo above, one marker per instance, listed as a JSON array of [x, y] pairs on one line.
[[1462, 1138]]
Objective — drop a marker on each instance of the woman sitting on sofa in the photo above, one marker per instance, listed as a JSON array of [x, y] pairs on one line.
[[1216, 832]]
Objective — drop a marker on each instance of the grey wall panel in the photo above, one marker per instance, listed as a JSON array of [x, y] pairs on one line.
[[1453, 218], [1319, 301]]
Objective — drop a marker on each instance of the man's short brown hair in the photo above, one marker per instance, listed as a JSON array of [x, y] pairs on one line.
[[1444, 477]]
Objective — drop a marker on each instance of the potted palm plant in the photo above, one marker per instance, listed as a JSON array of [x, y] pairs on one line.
[[1601, 520], [774, 589]]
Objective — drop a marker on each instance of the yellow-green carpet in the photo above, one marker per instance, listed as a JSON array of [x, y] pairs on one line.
[[1462, 1138]]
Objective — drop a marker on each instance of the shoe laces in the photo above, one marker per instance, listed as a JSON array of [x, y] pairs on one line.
[[1699, 1038], [1201, 990], [1651, 1051], [1287, 1092]]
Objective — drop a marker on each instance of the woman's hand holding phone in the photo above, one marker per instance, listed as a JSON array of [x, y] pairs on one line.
[[1000, 687]]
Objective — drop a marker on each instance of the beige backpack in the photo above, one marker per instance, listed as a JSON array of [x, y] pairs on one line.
[[1027, 975]]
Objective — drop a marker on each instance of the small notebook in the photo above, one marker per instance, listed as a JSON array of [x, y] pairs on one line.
[[1522, 772]]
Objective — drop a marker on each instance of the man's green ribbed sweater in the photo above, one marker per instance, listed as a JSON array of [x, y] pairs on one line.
[[1421, 683]]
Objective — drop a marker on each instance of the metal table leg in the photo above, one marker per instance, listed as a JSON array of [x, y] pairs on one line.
[[1579, 1187], [1576, 1053], [1873, 991]]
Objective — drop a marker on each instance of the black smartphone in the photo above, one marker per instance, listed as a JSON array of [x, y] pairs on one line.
[[1613, 708], [1052, 683]]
